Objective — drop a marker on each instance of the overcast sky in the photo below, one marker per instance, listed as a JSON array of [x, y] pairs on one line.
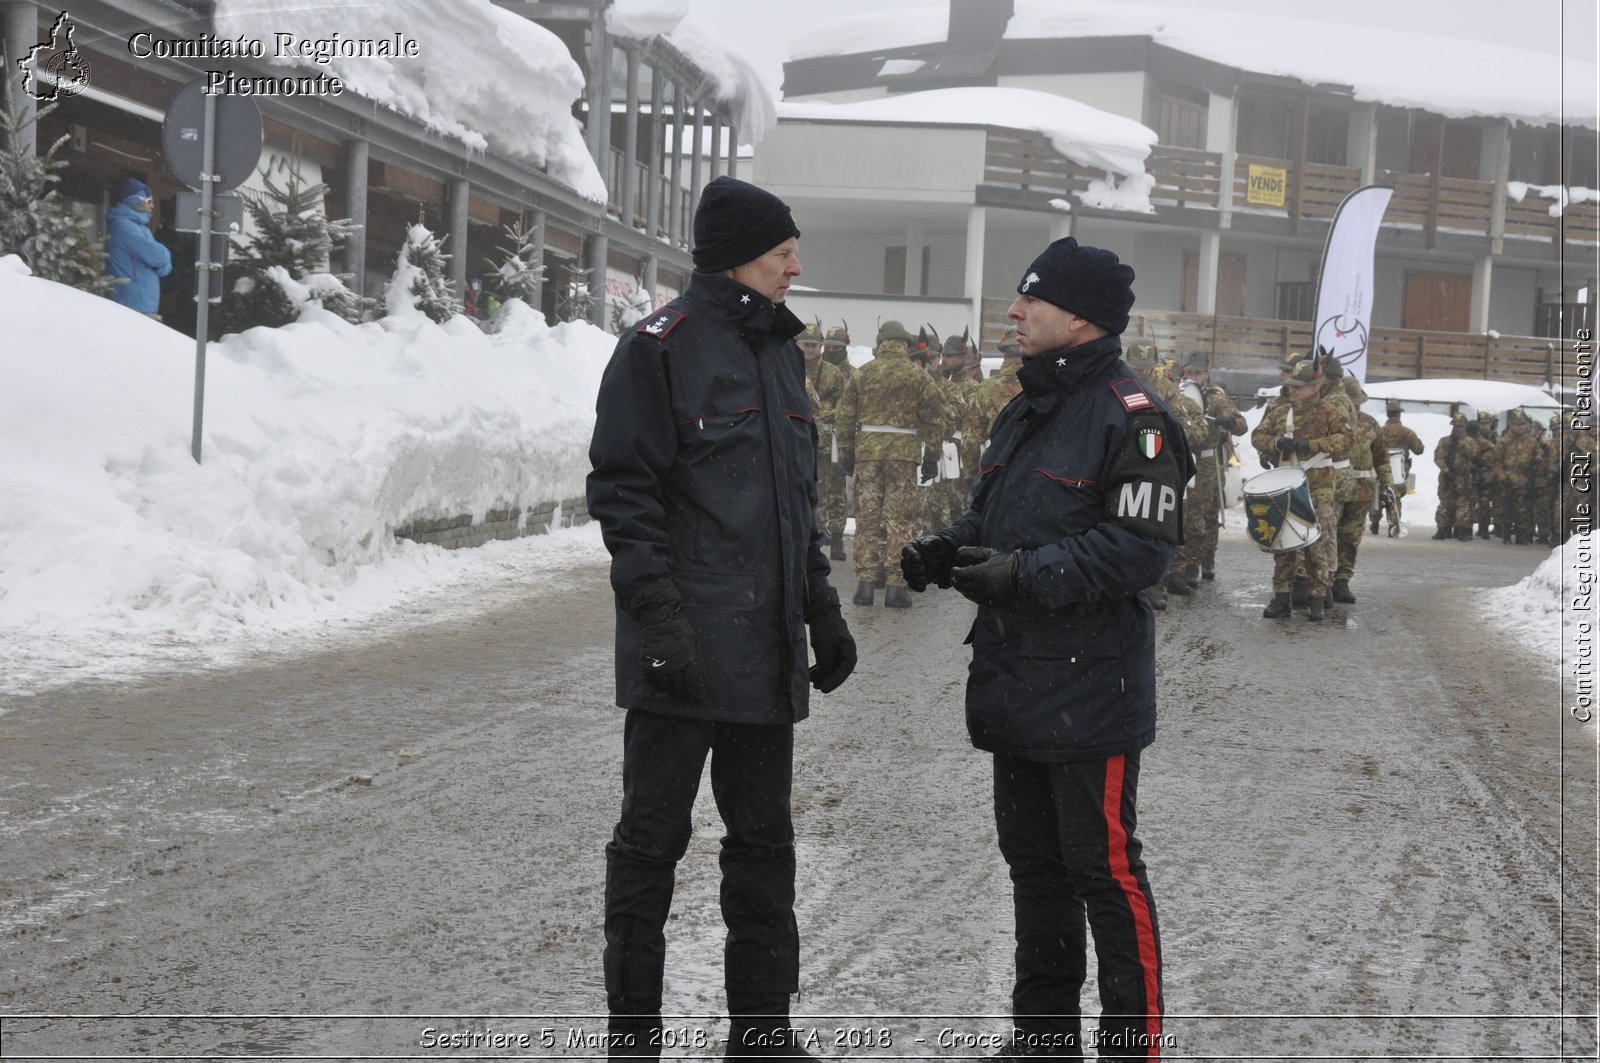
[[1547, 25]]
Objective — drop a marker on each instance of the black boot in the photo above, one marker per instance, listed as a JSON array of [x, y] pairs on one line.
[[1372, 526], [1208, 568], [1483, 531], [1176, 584], [1315, 609], [1192, 575], [1297, 596], [1157, 597], [1442, 533], [1278, 608], [897, 597], [1342, 593], [1464, 534], [864, 593], [836, 547]]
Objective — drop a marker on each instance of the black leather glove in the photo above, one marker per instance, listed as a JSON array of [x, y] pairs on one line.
[[1287, 445], [930, 469], [1268, 461], [835, 649], [669, 654], [985, 576], [1302, 447], [927, 560]]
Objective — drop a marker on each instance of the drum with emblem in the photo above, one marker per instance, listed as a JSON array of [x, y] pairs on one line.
[[1279, 514]]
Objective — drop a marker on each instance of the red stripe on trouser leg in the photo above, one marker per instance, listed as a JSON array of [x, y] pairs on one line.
[[1144, 926]]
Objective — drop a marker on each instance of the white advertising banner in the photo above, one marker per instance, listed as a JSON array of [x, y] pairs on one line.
[[1344, 288]]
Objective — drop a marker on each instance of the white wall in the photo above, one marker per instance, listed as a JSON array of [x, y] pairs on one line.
[[1120, 92], [844, 160]]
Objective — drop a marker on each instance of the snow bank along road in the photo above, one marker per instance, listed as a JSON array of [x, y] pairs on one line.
[[1369, 837]]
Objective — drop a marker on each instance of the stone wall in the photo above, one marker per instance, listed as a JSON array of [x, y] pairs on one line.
[[461, 531]]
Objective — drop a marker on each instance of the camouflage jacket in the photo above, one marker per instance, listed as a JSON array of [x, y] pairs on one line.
[[1317, 421], [1185, 409], [828, 382], [1456, 455], [890, 409], [989, 399], [1517, 453], [1223, 421]]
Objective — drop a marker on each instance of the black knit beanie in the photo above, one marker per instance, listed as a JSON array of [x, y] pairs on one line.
[[736, 223], [1088, 281]]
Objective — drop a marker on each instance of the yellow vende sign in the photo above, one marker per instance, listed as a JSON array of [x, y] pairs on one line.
[[1267, 185]]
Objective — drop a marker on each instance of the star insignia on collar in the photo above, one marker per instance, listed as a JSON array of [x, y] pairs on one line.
[[744, 298], [1060, 363]]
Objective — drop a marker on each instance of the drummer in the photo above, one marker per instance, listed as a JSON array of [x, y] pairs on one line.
[[1309, 433]]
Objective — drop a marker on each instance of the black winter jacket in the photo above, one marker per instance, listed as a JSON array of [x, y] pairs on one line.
[[704, 471], [1084, 477]]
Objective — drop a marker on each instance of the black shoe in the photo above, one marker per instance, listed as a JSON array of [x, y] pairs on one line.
[[836, 547], [1192, 575], [1442, 533], [864, 593], [1315, 611], [1278, 608], [1483, 533], [897, 597], [1464, 535], [1178, 585], [1341, 592], [1208, 572]]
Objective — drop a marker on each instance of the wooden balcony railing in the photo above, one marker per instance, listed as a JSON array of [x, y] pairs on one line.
[[1185, 177], [1260, 344]]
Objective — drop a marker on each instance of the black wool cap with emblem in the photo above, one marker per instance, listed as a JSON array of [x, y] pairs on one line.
[[736, 222], [1088, 281]]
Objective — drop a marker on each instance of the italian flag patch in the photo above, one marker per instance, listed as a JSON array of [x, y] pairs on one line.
[[1150, 442]]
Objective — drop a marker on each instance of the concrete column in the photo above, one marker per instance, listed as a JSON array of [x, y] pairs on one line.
[[599, 247], [20, 26], [716, 148], [356, 155], [1222, 137], [456, 242], [1497, 169], [675, 220], [972, 284], [1206, 283], [536, 225], [1363, 142], [1482, 282], [694, 160], [630, 146], [652, 198], [651, 279], [733, 150]]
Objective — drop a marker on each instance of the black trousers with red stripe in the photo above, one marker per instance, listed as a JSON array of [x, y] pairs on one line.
[[1067, 833]]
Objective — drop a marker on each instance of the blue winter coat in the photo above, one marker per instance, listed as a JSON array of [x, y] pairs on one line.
[[1084, 477], [704, 471], [132, 251]]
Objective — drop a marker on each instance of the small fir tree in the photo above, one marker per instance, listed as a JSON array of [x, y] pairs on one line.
[[630, 310], [37, 224], [293, 238], [575, 302], [419, 278], [518, 276]]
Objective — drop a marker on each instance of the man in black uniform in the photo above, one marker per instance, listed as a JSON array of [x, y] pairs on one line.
[[1078, 506], [704, 484]]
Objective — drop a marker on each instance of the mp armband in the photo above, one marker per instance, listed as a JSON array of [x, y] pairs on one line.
[[1144, 492]]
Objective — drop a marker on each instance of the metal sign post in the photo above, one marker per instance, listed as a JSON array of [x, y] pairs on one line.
[[202, 268]]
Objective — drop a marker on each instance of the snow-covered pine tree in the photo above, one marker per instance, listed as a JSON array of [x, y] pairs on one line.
[[419, 278], [575, 302], [292, 234], [517, 276], [36, 223]]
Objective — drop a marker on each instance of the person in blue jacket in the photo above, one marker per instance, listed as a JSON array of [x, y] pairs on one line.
[[132, 251], [1077, 506]]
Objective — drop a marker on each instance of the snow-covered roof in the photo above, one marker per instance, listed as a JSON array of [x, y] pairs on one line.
[[1449, 76], [1084, 134], [483, 75]]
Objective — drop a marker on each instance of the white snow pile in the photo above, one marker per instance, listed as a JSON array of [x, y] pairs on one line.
[[1441, 74], [1086, 135], [485, 75], [319, 439], [1560, 196], [736, 79]]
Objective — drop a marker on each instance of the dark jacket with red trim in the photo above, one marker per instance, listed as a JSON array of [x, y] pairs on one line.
[[1084, 478], [704, 471]]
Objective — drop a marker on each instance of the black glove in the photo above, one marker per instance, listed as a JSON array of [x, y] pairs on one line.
[[1268, 461], [930, 469], [985, 576], [669, 655], [831, 642], [1302, 447], [927, 560], [1288, 445]]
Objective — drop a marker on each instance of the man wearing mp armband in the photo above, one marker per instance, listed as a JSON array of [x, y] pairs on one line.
[[1077, 507]]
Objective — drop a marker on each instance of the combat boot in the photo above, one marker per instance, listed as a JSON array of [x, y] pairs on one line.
[[1315, 611], [1442, 533], [1192, 574], [1176, 584], [1483, 531], [1342, 593], [897, 597], [1464, 534], [1372, 525], [865, 593], [1157, 597], [836, 547], [1279, 607], [1297, 596], [1208, 568]]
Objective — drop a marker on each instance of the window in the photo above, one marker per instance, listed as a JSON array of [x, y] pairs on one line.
[[1178, 122], [1297, 300]]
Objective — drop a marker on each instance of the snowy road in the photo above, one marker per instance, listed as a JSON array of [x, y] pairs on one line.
[[1368, 838]]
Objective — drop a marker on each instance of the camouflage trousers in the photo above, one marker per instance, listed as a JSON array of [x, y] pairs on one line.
[[830, 491], [1516, 508], [1313, 563], [889, 512], [1456, 510], [1351, 518], [1202, 506]]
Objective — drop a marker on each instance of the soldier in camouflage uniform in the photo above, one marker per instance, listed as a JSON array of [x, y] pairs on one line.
[[1370, 478], [1321, 437], [1145, 358], [1547, 485], [1488, 475], [889, 413], [1456, 455], [833, 487], [960, 365], [1202, 512], [1516, 454], [826, 382], [992, 395], [1397, 436]]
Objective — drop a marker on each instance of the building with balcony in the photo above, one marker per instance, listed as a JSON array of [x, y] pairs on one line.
[[1485, 261], [616, 222]]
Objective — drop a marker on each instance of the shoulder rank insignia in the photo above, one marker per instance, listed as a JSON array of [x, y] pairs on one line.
[[658, 324], [1131, 394]]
